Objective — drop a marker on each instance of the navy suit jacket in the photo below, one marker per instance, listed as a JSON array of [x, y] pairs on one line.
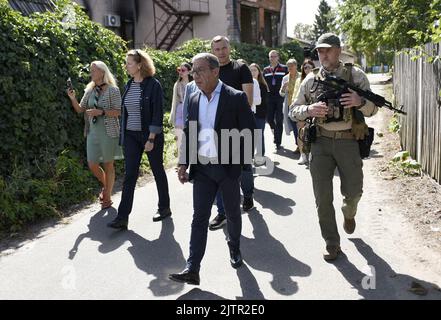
[[233, 112], [152, 108]]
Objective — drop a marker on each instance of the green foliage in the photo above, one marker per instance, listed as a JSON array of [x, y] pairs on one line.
[[37, 122], [304, 31], [431, 34], [291, 50], [406, 164], [374, 26], [323, 20], [394, 125], [25, 199], [37, 55], [74, 183]]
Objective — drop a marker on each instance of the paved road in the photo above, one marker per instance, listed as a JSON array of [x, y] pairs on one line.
[[281, 246]]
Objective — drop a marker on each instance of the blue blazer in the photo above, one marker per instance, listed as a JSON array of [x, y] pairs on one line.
[[152, 108], [233, 112]]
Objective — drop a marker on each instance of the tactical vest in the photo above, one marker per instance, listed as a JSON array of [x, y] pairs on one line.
[[347, 114]]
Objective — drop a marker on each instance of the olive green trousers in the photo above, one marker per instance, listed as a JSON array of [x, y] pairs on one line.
[[327, 155]]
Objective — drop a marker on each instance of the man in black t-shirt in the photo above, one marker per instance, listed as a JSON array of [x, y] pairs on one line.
[[238, 76]]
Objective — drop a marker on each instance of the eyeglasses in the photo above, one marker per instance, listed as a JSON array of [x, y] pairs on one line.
[[307, 67], [179, 70], [197, 71]]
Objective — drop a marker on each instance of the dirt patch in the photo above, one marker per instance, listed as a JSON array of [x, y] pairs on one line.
[[417, 198]]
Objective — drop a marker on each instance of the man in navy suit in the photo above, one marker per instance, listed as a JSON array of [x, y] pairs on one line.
[[218, 141]]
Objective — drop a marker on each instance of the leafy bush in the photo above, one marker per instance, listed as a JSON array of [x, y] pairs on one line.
[[37, 55], [37, 122], [25, 199], [394, 125], [404, 162]]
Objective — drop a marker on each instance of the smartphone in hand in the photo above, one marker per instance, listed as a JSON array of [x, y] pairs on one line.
[[69, 84]]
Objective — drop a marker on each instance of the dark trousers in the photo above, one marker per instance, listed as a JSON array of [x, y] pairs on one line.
[[260, 124], [274, 117], [246, 184], [295, 130], [133, 150], [208, 179]]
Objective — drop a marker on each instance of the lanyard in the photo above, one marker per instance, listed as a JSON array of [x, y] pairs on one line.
[[273, 71]]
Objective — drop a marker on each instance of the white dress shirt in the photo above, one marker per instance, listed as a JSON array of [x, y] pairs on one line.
[[207, 116], [257, 98]]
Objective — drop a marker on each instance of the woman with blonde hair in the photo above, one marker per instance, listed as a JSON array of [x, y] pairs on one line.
[[288, 90], [101, 104], [141, 131]]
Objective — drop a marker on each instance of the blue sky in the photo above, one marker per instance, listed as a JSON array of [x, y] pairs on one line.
[[302, 11]]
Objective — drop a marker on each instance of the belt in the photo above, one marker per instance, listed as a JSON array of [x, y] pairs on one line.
[[342, 134]]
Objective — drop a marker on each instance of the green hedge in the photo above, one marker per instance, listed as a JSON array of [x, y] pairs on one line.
[[37, 122], [37, 55]]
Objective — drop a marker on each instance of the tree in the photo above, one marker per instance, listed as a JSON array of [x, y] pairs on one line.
[[304, 31], [323, 20], [386, 26]]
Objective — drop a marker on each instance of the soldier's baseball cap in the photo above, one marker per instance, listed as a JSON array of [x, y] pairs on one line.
[[328, 40]]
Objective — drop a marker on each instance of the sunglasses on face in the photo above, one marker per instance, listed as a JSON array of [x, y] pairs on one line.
[[307, 67], [179, 70]]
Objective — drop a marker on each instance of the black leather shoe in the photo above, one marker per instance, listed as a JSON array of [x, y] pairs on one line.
[[235, 259], [118, 223], [218, 222], [161, 214], [186, 276], [248, 204]]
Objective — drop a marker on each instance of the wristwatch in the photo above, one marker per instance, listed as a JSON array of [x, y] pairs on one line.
[[151, 140]]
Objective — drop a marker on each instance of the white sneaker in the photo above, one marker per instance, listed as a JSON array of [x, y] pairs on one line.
[[303, 159], [310, 157]]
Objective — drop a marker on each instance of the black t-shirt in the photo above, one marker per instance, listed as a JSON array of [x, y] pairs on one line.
[[235, 74]]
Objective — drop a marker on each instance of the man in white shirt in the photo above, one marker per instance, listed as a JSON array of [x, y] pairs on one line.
[[213, 110]]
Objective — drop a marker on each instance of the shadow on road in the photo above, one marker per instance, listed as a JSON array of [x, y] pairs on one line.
[[198, 294], [383, 282], [266, 253], [276, 203], [282, 175], [248, 283], [287, 153], [374, 154], [158, 257], [98, 231]]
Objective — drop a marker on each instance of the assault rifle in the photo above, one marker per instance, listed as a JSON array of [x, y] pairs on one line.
[[340, 86]]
